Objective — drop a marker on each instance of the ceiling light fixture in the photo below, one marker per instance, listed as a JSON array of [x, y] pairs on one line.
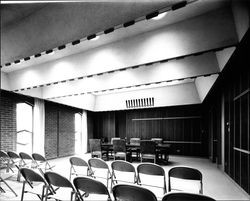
[[160, 16]]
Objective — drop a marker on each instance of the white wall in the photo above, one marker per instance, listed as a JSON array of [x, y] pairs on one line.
[[175, 69], [86, 102], [208, 31], [241, 15], [204, 84], [223, 56], [4, 81], [182, 94]]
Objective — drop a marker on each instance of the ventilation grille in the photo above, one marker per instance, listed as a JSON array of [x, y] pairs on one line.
[[141, 102]]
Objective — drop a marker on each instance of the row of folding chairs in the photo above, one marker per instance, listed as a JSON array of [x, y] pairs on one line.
[[83, 187], [119, 168]]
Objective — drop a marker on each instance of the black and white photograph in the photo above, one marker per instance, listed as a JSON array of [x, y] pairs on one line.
[[125, 100]]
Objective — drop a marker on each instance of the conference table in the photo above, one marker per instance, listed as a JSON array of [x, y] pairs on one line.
[[163, 149]]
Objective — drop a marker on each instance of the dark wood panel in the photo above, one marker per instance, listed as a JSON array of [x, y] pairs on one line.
[[180, 123]]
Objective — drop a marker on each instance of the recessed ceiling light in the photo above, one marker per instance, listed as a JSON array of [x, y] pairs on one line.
[[160, 16], [96, 38]]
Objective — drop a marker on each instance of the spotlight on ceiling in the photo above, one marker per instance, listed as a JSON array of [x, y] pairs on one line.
[[160, 16], [50, 52], [93, 37]]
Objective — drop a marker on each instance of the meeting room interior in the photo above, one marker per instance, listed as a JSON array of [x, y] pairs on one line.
[[125, 100]]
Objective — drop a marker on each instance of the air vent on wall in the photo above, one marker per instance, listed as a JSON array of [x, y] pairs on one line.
[[140, 102]]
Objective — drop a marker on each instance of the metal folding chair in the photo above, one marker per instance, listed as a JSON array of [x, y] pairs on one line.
[[88, 186], [186, 173], [132, 193], [76, 162]]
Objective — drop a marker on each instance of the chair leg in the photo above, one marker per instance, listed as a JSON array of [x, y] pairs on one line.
[[70, 173], [23, 191], [8, 187]]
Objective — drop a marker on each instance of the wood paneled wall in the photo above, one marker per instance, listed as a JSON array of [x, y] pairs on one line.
[[227, 114], [181, 126]]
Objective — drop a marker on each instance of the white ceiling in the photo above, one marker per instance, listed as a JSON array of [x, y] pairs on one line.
[[126, 62]]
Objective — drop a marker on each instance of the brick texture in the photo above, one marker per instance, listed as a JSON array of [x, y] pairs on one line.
[[8, 122], [59, 130]]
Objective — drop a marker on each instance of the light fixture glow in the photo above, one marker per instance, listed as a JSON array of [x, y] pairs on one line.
[[160, 16], [96, 38]]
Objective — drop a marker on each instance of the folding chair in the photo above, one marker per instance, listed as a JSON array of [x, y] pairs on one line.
[[119, 169], [40, 161], [15, 160], [5, 161], [2, 190], [97, 166], [185, 173], [76, 162], [180, 196], [152, 170], [26, 160], [132, 193], [56, 181], [30, 177], [90, 186]]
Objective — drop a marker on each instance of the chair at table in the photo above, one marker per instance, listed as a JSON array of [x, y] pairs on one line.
[[16, 161], [96, 149], [114, 138], [157, 140], [152, 170], [31, 177], [122, 171], [90, 186], [120, 150], [58, 182], [98, 167], [41, 162], [180, 196], [135, 141], [132, 193], [26, 160], [148, 150], [75, 163], [5, 161], [185, 174]]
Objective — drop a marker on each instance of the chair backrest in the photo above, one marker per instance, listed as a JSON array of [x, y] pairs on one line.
[[76, 161], [13, 155], [119, 145], [95, 145], [58, 180], [147, 147], [3, 154], [25, 156], [90, 186], [114, 138], [184, 173], [97, 163], [180, 196], [122, 166], [30, 175], [38, 157], [150, 169], [135, 141], [157, 140], [132, 193]]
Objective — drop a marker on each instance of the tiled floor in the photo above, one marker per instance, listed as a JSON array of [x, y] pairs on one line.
[[215, 183]]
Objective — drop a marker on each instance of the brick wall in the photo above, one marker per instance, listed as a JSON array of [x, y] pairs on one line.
[[59, 130], [59, 125], [8, 101], [8, 122]]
